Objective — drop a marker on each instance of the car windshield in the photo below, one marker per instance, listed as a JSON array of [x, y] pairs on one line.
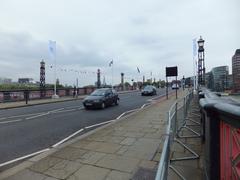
[[98, 93], [148, 88]]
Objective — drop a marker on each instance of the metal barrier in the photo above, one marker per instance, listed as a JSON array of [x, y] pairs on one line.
[[177, 120]]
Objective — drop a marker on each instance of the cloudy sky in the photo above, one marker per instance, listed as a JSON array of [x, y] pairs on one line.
[[149, 34]]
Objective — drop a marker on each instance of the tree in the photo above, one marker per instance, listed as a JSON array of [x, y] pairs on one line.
[[127, 84]]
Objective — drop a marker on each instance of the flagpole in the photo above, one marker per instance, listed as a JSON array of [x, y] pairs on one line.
[[194, 74], [55, 76], [195, 85], [112, 74]]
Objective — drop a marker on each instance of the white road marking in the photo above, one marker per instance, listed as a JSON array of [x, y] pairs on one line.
[[56, 110], [67, 110], [5, 122], [72, 107], [32, 117], [99, 124], [81, 108], [127, 113], [10, 117], [23, 157], [67, 138], [153, 99], [121, 115], [144, 105]]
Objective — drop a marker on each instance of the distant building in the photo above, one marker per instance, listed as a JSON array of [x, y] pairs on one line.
[[236, 71], [25, 80], [220, 75], [5, 80], [230, 82]]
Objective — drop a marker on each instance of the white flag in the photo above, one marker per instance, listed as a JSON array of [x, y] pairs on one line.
[[138, 70], [194, 47], [52, 49]]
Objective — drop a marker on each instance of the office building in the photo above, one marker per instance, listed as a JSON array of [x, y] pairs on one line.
[[236, 71]]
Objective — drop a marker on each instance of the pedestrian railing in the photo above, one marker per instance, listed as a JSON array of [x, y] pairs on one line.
[[177, 120]]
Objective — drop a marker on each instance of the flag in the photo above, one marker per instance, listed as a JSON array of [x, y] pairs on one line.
[[111, 63], [138, 70], [52, 49], [194, 47]]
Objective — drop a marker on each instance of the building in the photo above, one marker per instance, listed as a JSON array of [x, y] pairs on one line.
[[5, 80], [25, 80], [230, 82], [236, 71], [220, 78]]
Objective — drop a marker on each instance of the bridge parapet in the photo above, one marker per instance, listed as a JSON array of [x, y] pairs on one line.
[[221, 132]]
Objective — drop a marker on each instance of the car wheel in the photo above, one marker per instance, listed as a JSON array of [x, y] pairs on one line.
[[103, 105], [86, 107]]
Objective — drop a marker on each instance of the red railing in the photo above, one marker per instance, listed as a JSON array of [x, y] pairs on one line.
[[221, 120], [230, 152]]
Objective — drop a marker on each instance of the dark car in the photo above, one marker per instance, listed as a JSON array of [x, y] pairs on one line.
[[149, 90], [101, 98]]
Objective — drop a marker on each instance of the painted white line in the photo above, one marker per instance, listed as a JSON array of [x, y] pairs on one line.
[[32, 117], [127, 113], [147, 104], [67, 110], [23, 157], [121, 115], [56, 110], [99, 124], [67, 138], [143, 106], [156, 98], [81, 108], [5, 122], [69, 107], [23, 115]]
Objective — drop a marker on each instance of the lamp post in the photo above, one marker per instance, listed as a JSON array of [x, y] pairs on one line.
[[201, 63]]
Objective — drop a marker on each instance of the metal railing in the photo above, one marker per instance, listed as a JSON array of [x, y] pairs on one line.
[[176, 121]]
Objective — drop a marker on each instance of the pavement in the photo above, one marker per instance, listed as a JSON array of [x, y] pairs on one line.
[[128, 148]]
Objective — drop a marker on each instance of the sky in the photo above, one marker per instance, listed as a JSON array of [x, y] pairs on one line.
[[148, 34]]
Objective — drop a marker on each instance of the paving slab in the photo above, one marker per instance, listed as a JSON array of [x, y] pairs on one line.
[[118, 175], [88, 172], [121, 163], [63, 169], [45, 164], [27, 175], [69, 153], [91, 157]]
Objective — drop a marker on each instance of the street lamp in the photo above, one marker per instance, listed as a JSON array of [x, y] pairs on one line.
[[201, 63]]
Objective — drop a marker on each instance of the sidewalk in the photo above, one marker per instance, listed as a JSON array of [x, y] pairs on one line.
[[125, 149]]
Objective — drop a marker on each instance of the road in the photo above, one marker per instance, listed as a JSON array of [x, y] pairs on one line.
[[29, 129]]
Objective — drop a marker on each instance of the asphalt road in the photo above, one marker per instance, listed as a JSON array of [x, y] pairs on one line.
[[29, 129]]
